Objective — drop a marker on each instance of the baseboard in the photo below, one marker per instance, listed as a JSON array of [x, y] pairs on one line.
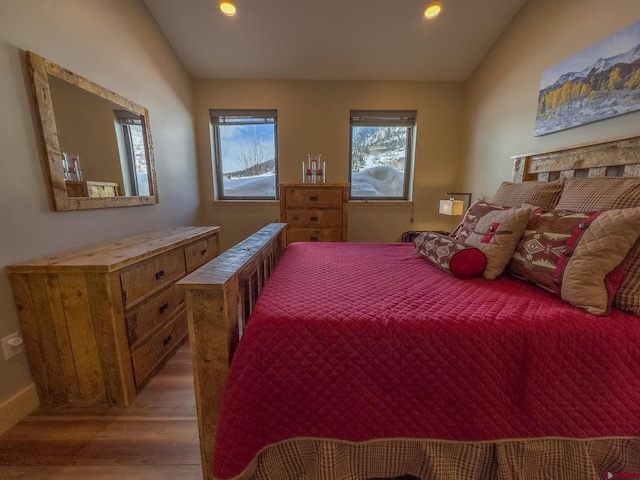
[[18, 407]]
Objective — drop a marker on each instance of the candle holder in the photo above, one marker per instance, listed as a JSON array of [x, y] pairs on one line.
[[313, 171], [71, 166]]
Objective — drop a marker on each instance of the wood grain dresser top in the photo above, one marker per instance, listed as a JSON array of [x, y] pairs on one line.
[[116, 254]]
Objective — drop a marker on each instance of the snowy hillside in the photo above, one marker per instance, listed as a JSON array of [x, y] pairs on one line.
[[378, 157], [370, 182]]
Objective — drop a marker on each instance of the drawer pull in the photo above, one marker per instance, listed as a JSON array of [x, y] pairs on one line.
[[167, 340], [313, 198], [160, 275], [164, 307], [203, 252], [313, 219], [314, 239]]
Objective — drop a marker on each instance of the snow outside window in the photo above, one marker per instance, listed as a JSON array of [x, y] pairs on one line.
[[245, 154], [381, 154]]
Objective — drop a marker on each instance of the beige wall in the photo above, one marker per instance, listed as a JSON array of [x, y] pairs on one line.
[[313, 117], [502, 93], [116, 44]]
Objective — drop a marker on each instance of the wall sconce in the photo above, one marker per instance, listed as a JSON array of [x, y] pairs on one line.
[[453, 206]]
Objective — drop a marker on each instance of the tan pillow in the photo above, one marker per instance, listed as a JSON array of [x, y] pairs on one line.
[[602, 247], [496, 234], [478, 210], [573, 254], [602, 193], [540, 194]]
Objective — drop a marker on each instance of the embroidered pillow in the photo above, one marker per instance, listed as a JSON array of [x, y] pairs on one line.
[[575, 254], [461, 260], [540, 194], [473, 215], [496, 233]]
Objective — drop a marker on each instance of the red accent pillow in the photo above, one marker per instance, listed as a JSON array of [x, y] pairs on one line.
[[461, 260]]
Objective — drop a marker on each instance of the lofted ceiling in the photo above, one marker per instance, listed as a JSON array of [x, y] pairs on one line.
[[333, 39]]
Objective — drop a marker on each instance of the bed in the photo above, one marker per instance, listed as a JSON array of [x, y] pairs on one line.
[[371, 361]]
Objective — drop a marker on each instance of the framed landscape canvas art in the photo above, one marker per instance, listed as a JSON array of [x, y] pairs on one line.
[[600, 82]]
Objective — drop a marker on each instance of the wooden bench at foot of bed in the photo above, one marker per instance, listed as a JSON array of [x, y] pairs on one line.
[[220, 297]]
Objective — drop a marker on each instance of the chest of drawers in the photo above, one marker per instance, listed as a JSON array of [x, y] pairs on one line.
[[86, 188], [314, 212], [98, 322]]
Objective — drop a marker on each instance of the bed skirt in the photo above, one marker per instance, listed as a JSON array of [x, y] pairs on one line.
[[549, 458]]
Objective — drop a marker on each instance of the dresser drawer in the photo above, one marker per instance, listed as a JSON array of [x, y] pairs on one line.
[[151, 354], [314, 218], [200, 253], [314, 197], [314, 235], [147, 317], [144, 280]]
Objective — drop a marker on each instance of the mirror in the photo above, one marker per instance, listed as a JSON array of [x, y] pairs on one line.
[[98, 143]]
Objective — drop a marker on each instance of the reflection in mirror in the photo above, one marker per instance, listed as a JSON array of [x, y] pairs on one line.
[[98, 144]]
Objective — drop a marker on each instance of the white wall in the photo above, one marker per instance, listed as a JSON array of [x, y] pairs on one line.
[[502, 94], [117, 44]]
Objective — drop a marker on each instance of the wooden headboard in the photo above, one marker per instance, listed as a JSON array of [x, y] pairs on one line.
[[613, 158]]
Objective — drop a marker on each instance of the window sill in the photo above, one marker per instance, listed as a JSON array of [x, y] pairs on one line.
[[247, 203]]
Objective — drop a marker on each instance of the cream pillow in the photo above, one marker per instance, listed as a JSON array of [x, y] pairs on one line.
[[496, 234], [601, 248]]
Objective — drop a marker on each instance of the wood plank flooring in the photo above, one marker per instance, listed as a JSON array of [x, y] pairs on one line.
[[156, 438]]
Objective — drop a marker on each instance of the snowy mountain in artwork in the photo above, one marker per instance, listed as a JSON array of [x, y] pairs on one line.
[[606, 87]]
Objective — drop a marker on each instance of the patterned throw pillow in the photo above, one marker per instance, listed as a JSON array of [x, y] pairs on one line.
[[589, 194], [496, 233], [575, 255], [461, 260], [473, 215], [540, 194]]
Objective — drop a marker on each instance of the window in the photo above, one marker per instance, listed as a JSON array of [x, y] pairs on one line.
[[133, 158], [381, 154], [245, 154]]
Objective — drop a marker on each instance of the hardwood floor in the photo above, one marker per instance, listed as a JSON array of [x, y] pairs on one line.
[[156, 438]]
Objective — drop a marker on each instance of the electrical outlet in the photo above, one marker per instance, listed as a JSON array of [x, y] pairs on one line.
[[11, 345]]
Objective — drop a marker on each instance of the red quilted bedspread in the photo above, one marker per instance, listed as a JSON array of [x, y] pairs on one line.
[[363, 341]]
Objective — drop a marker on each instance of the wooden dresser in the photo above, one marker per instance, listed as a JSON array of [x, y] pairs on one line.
[[86, 188], [98, 322], [314, 212]]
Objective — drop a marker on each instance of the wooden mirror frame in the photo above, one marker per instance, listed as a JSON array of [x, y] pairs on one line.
[[40, 69]]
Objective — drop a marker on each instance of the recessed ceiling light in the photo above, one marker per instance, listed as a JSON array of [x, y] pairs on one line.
[[432, 10], [228, 8]]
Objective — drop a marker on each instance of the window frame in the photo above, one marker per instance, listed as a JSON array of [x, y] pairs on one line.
[[386, 118], [125, 121], [215, 123]]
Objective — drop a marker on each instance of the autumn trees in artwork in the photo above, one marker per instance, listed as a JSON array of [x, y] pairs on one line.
[[577, 92]]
